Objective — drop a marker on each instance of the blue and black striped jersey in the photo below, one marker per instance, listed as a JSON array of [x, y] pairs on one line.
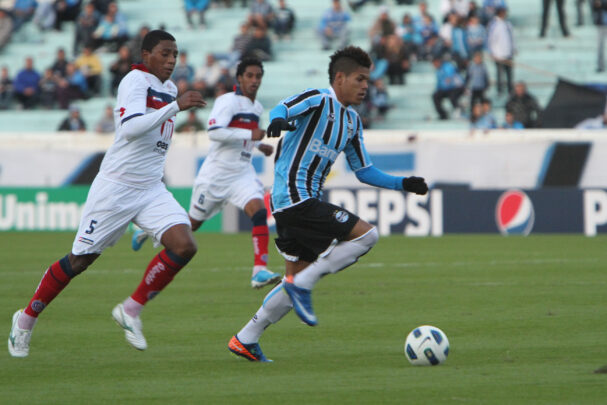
[[324, 128]]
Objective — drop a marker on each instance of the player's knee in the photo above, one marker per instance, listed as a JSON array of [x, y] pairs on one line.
[[260, 217], [76, 264], [186, 249]]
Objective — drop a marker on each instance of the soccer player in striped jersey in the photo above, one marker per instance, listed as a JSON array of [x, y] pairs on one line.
[[128, 189], [317, 238], [227, 174]]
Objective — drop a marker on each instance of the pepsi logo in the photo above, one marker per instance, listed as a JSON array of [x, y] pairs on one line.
[[514, 214]]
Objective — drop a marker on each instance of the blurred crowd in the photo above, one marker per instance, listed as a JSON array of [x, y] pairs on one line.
[[459, 42]]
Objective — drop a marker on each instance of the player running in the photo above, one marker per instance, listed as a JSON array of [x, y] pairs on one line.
[[227, 174], [317, 238], [128, 188]]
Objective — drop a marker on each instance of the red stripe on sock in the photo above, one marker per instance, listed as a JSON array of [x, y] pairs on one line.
[[261, 238], [53, 282], [158, 275]]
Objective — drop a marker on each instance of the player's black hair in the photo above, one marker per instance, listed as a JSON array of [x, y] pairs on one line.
[[153, 37], [242, 66], [347, 60]]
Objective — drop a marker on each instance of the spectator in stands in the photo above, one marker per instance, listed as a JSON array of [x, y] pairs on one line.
[[427, 32], [406, 31], [6, 89], [260, 46], [66, 10], [489, 10], [459, 46], [86, 24], [182, 86], [477, 79], [183, 70], [26, 85], [546, 13], [60, 64], [524, 106], [193, 7], [106, 124], [72, 87], [500, 42], [101, 5], [201, 86], [482, 117], [284, 20], [134, 44], [334, 26], [239, 43], [73, 122], [261, 14], [112, 30], [476, 35], [398, 59], [226, 79], [511, 123], [449, 84], [459, 7], [599, 8], [23, 11], [120, 67], [192, 124], [380, 98], [90, 65], [48, 89], [210, 72], [44, 16], [382, 27]]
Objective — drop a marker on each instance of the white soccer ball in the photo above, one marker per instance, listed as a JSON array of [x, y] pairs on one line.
[[426, 346]]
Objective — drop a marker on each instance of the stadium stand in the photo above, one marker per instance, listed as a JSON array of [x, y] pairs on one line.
[[300, 63]]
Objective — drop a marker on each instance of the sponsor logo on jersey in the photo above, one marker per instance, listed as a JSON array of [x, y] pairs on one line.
[[514, 214], [322, 150]]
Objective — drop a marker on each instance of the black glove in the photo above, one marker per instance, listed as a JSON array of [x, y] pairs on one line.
[[415, 185], [277, 125]]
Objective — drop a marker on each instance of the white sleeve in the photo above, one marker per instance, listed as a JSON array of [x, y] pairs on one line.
[[219, 119], [134, 121]]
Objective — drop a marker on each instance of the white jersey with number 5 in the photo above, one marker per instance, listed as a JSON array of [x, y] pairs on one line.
[[137, 156], [231, 121]]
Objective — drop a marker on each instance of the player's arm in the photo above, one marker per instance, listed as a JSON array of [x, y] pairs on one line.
[[291, 108], [219, 121], [360, 162], [135, 122]]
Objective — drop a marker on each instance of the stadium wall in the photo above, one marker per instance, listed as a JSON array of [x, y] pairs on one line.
[[513, 182]]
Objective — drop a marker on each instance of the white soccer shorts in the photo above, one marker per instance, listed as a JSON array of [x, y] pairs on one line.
[[208, 198], [111, 206]]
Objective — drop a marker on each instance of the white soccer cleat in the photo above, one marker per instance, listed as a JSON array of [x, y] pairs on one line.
[[132, 327], [19, 339]]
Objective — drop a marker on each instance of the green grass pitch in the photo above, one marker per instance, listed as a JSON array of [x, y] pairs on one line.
[[526, 319]]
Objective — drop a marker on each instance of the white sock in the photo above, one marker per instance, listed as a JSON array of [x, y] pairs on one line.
[[341, 256], [26, 321], [275, 305], [132, 307]]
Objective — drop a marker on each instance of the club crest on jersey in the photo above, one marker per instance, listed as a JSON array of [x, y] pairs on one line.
[[331, 117], [341, 216]]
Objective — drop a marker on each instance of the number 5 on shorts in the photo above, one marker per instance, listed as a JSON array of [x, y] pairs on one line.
[[91, 227]]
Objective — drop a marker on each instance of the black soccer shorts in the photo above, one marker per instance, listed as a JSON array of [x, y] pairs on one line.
[[309, 228]]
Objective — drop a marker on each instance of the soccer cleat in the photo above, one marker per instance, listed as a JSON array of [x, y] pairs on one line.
[[19, 339], [264, 277], [132, 327], [251, 351], [302, 302], [138, 239]]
